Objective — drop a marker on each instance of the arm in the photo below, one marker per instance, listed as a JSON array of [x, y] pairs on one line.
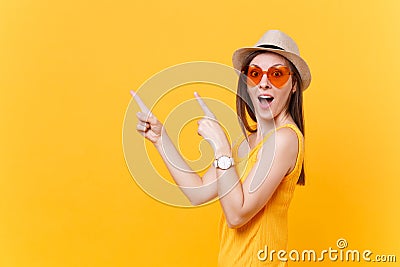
[[240, 202], [197, 189]]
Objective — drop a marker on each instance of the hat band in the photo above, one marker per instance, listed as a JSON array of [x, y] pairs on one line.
[[271, 46]]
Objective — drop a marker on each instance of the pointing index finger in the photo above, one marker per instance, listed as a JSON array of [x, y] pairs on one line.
[[141, 104], [204, 107]]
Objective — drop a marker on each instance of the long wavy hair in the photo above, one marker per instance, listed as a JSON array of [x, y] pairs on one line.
[[245, 108]]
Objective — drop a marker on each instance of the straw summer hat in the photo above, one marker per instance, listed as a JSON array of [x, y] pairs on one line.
[[279, 43]]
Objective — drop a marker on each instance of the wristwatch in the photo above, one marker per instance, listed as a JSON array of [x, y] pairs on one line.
[[223, 162]]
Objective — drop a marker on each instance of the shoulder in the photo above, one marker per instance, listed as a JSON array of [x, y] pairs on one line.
[[286, 141], [288, 135]]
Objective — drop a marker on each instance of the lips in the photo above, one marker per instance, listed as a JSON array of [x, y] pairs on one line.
[[265, 100]]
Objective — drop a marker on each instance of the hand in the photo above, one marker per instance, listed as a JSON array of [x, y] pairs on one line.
[[211, 130], [148, 126]]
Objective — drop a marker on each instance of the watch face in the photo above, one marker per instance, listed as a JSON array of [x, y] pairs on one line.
[[224, 162]]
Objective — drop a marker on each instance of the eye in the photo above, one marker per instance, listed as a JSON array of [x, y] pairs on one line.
[[254, 73], [277, 73]]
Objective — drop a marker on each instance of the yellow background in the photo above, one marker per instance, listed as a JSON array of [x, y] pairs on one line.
[[66, 68]]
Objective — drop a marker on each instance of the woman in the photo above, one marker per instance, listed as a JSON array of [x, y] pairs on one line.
[[255, 179]]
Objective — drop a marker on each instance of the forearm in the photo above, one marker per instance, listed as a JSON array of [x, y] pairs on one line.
[[230, 190], [188, 180]]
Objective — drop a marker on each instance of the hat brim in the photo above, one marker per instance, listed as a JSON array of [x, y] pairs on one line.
[[301, 66]]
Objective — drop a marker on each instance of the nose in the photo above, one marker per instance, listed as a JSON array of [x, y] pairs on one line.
[[264, 83]]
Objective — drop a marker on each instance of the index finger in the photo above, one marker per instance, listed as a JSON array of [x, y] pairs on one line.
[[141, 104], [204, 107]]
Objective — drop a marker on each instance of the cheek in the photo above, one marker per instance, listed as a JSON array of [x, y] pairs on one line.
[[288, 85], [251, 93], [286, 90], [284, 96]]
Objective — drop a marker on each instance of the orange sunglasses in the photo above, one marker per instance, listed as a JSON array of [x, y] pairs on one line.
[[277, 75]]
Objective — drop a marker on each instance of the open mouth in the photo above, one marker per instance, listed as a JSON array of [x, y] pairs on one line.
[[265, 99]]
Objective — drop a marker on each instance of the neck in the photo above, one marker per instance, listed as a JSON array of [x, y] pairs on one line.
[[264, 126]]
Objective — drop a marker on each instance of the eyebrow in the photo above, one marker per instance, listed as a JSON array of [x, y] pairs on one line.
[[270, 66]]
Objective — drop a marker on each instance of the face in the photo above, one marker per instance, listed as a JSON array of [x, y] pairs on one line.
[[270, 96]]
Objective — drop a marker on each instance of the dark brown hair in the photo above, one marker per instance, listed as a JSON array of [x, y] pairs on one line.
[[244, 106]]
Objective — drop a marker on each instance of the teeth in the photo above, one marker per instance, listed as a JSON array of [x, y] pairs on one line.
[[266, 97]]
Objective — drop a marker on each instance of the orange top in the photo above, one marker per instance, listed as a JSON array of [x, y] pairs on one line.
[[269, 227]]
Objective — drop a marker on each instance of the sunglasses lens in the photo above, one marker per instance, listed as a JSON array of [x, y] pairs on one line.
[[278, 76], [254, 75]]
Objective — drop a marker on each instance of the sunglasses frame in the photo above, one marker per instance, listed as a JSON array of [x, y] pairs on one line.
[[267, 72]]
